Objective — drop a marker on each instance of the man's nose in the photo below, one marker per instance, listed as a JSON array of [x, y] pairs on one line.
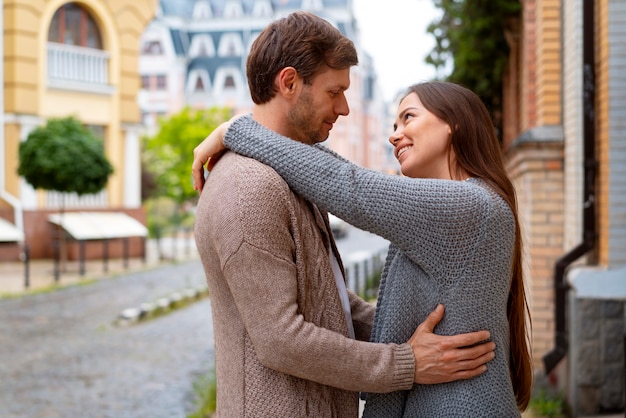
[[342, 108]]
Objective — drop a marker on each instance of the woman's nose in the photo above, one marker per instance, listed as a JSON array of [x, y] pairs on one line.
[[395, 137]]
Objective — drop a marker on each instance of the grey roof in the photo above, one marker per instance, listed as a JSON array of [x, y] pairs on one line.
[[177, 7], [212, 64], [180, 39]]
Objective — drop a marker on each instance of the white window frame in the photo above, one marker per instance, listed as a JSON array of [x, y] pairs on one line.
[[193, 78], [199, 41], [230, 41]]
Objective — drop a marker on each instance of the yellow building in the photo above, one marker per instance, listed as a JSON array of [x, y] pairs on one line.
[[69, 59]]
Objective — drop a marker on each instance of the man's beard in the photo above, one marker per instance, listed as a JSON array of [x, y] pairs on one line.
[[302, 120]]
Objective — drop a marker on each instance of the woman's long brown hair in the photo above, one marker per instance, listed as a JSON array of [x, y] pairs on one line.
[[478, 152]]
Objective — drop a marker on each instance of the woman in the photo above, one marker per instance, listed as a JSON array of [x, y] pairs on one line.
[[454, 232]]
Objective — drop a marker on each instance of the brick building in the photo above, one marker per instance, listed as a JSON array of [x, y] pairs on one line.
[[564, 132]]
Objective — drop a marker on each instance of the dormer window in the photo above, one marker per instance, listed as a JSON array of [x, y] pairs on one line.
[[262, 8], [202, 10], [201, 46], [233, 8], [73, 25], [231, 45], [153, 47], [199, 87], [229, 80], [198, 81]]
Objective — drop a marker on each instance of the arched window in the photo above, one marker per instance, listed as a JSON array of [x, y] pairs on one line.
[[73, 25], [229, 82], [198, 81], [231, 45], [199, 85], [201, 46]]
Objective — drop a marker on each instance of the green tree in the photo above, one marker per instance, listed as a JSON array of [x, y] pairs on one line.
[[64, 156], [471, 35], [168, 154], [67, 157]]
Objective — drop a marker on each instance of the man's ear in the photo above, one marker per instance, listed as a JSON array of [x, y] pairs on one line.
[[288, 80]]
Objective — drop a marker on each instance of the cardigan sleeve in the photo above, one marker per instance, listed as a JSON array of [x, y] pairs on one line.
[[283, 339], [428, 219]]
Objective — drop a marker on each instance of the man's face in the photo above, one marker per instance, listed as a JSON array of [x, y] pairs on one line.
[[318, 106]]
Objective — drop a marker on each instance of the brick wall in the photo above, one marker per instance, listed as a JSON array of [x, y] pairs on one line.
[[535, 166]]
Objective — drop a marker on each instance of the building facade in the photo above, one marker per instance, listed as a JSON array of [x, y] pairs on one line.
[[69, 59], [564, 112], [194, 54]]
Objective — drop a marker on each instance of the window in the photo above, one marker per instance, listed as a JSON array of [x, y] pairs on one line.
[[145, 82], [73, 25], [199, 85], [202, 10], [161, 82], [231, 45], [262, 8], [198, 81], [233, 8], [228, 80], [152, 48], [201, 46]]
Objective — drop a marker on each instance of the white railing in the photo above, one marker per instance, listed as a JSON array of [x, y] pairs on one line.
[[55, 200], [77, 64], [363, 270]]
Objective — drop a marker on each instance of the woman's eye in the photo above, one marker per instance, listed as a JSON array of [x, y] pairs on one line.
[[408, 116]]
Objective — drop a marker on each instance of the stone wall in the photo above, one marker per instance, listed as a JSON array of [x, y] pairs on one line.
[[596, 338]]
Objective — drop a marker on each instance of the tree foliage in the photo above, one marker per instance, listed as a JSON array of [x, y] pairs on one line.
[[471, 35], [168, 155], [64, 156]]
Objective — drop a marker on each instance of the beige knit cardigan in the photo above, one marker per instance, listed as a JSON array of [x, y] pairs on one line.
[[281, 340]]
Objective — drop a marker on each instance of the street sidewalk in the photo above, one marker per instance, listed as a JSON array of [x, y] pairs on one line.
[[18, 278]]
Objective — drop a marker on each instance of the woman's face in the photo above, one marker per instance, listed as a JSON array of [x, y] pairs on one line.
[[421, 141]]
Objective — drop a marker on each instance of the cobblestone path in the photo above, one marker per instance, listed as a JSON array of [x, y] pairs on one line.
[[61, 354]]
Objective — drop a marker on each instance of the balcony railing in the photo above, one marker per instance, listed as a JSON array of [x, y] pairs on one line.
[[78, 67]]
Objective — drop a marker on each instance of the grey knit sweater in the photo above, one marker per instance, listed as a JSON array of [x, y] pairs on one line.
[[451, 243]]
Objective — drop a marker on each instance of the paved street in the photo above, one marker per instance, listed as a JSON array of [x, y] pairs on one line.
[[61, 354]]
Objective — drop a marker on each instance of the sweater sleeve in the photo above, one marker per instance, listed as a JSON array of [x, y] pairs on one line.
[[423, 217], [283, 339]]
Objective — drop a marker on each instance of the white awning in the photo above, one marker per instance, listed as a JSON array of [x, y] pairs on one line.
[[9, 232], [99, 225]]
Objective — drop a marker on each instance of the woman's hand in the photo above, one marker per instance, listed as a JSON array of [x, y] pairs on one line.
[[208, 152]]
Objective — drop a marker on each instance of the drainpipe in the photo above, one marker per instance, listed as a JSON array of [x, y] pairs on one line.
[[561, 288]]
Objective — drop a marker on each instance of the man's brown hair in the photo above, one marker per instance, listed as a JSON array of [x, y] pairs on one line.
[[301, 40]]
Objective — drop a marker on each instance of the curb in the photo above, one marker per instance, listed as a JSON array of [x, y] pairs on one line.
[[161, 306]]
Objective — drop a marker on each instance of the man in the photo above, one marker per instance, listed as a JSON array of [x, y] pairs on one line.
[[290, 339]]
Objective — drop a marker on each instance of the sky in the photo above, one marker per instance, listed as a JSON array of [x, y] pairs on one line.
[[394, 33]]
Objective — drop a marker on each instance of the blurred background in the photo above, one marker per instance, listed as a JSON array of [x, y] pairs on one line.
[[104, 102]]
